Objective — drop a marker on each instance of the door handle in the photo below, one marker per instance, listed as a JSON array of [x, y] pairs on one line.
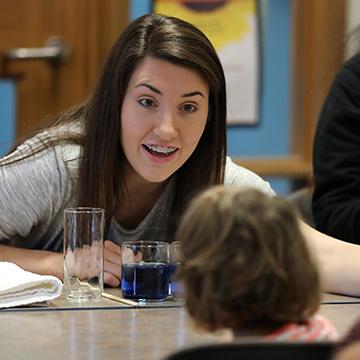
[[55, 51]]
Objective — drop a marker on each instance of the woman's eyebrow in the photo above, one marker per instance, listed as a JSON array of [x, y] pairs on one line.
[[194, 93], [154, 89]]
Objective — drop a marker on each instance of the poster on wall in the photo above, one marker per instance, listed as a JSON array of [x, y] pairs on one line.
[[232, 27]]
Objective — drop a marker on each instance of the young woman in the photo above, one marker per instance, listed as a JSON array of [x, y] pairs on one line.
[[246, 267], [152, 136]]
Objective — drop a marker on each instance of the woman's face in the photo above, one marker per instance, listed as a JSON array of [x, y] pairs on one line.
[[163, 116]]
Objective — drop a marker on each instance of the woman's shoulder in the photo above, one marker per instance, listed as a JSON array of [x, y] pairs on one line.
[[46, 144], [39, 183], [38, 165], [239, 176]]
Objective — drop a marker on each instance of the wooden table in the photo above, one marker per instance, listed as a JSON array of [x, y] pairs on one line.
[[343, 311], [108, 332]]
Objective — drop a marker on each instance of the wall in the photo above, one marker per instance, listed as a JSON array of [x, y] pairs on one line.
[[353, 14], [352, 21]]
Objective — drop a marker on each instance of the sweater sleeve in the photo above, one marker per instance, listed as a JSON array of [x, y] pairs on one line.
[[32, 192], [236, 175], [336, 200]]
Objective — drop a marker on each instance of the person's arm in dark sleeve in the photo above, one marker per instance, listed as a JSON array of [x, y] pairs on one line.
[[336, 156]]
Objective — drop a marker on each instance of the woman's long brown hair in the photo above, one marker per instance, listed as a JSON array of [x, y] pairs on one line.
[[103, 159]]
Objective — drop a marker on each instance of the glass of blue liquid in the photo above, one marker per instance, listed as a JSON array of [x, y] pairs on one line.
[[176, 288], [145, 270]]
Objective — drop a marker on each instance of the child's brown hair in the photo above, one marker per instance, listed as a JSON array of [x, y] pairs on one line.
[[245, 263]]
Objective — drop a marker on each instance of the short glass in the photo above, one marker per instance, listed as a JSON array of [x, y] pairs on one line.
[[145, 270], [83, 252], [176, 287]]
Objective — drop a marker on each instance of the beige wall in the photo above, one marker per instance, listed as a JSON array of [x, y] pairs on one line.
[[352, 21]]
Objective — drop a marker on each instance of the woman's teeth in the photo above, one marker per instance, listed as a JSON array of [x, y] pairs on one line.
[[164, 150]]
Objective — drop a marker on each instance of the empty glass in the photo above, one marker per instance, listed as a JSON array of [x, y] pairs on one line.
[[176, 288], [83, 252]]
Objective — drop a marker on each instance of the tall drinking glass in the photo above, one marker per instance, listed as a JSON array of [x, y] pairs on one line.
[[145, 270], [83, 252]]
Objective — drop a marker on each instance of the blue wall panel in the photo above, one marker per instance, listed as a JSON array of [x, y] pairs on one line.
[[7, 115], [271, 136]]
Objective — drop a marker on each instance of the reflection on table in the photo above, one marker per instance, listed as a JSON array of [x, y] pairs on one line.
[[120, 333]]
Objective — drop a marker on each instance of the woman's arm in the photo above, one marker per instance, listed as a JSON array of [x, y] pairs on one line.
[[37, 261], [52, 263], [339, 262]]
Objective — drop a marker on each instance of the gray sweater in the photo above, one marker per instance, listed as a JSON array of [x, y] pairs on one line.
[[34, 193]]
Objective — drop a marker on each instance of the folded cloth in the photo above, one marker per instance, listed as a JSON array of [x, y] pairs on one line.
[[19, 287]]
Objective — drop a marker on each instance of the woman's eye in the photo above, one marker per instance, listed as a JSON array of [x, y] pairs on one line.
[[189, 108], [146, 102]]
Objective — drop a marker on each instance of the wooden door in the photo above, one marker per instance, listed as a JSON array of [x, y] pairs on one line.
[[44, 88]]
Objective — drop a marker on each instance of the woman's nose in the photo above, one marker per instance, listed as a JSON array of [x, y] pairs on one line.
[[165, 127]]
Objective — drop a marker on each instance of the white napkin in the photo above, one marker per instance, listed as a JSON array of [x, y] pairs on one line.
[[20, 287]]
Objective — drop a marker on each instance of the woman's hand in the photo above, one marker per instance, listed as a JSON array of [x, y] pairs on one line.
[[112, 264]]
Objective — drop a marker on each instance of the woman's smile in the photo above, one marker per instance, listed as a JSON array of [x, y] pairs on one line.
[[160, 154]]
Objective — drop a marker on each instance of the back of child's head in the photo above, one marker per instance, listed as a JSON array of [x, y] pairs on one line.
[[245, 263]]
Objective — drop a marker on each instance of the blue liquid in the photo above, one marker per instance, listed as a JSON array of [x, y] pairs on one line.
[[145, 281]]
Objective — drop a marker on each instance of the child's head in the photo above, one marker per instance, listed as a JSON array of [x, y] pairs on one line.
[[245, 263]]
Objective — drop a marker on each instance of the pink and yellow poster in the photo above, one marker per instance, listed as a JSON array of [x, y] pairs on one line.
[[232, 27]]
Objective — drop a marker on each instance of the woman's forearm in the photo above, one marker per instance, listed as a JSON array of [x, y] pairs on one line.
[[339, 262], [37, 261]]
